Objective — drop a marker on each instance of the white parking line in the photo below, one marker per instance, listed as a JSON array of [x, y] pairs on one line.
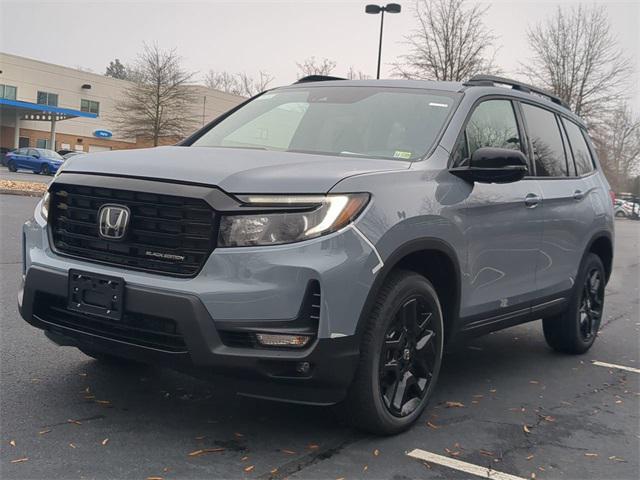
[[619, 367], [465, 467]]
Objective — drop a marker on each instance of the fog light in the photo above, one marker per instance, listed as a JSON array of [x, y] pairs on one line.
[[278, 340], [303, 367]]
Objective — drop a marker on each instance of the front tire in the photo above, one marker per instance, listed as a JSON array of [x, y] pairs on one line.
[[400, 356], [575, 330]]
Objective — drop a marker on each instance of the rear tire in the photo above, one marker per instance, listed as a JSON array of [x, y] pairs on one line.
[[45, 170], [620, 214], [400, 356], [575, 330], [12, 166]]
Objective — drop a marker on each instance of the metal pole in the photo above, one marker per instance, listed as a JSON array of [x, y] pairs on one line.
[[380, 44], [16, 131], [52, 138]]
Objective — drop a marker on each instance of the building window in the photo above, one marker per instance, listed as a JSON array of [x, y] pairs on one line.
[[42, 143], [8, 92], [47, 98], [90, 106]]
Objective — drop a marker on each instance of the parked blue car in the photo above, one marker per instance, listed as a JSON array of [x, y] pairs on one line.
[[38, 160]]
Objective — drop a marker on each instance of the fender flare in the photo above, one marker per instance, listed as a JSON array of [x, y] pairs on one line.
[[391, 262]]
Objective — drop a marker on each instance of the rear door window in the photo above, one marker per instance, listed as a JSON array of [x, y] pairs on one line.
[[581, 153], [544, 133]]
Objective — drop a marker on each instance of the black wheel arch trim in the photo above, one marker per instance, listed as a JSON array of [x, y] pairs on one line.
[[594, 238], [393, 260]]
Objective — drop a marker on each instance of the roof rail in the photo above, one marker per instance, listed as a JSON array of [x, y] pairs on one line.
[[317, 78], [492, 80]]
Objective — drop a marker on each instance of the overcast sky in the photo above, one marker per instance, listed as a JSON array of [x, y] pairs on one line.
[[260, 35]]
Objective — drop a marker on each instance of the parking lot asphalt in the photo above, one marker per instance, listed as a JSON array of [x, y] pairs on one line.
[[504, 401], [23, 176]]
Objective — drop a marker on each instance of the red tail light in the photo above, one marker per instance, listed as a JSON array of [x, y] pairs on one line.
[[612, 194]]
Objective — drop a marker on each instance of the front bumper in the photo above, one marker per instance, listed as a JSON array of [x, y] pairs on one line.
[[260, 288], [255, 372]]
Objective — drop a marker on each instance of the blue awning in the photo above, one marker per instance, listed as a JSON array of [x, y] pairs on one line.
[[35, 111]]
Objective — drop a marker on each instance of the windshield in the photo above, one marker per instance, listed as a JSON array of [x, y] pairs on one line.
[[398, 123]]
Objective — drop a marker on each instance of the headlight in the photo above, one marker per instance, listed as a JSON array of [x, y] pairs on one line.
[[44, 205], [304, 217]]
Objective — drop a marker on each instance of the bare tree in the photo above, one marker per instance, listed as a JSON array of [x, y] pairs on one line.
[[159, 101], [312, 66], [577, 58], [450, 42], [240, 84], [354, 74], [617, 141], [116, 69]]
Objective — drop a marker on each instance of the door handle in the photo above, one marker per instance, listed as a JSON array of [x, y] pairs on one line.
[[578, 195], [531, 200]]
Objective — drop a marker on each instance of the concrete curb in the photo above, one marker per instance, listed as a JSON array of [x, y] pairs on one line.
[[24, 193]]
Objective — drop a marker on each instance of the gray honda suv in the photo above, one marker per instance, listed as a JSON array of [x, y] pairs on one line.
[[322, 242]]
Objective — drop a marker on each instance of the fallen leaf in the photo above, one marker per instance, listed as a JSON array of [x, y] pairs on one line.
[[105, 441], [201, 451], [238, 435], [591, 455], [526, 429], [340, 478], [313, 446], [19, 460], [617, 459], [76, 422], [87, 390], [12, 443], [534, 382], [431, 425], [533, 475], [493, 390], [478, 396], [376, 452], [42, 432], [530, 456], [72, 445], [244, 459], [154, 478], [549, 418], [249, 468], [274, 471], [288, 452], [365, 468], [453, 453], [89, 397], [103, 402], [487, 453], [82, 374], [426, 465], [202, 437], [454, 405]]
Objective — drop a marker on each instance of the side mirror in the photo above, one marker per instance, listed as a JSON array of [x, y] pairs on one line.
[[493, 165], [36, 155]]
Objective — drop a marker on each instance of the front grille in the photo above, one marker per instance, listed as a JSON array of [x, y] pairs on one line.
[[138, 329], [166, 234]]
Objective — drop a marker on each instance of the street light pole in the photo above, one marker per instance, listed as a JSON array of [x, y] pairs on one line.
[[375, 9], [380, 44]]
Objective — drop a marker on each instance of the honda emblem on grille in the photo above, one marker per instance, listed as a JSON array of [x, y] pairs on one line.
[[113, 221]]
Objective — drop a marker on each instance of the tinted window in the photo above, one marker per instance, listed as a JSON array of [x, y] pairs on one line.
[[345, 121], [544, 133], [581, 154], [493, 124]]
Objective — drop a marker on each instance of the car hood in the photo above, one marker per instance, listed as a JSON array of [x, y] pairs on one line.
[[233, 170]]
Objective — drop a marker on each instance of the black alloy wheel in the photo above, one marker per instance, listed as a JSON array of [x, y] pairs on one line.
[[408, 358], [45, 170], [591, 305]]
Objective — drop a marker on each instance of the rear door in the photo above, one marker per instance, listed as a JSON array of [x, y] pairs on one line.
[[501, 222], [568, 214]]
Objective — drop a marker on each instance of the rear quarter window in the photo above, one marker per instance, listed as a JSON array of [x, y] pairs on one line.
[[579, 148]]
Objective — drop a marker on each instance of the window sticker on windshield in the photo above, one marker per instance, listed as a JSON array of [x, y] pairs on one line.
[[266, 96], [402, 154], [441, 105]]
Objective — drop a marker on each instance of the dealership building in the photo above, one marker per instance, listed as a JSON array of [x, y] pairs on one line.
[[50, 106]]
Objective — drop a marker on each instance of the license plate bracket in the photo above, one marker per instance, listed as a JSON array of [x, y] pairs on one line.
[[96, 294]]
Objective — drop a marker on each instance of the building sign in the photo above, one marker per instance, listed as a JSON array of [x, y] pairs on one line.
[[102, 133]]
